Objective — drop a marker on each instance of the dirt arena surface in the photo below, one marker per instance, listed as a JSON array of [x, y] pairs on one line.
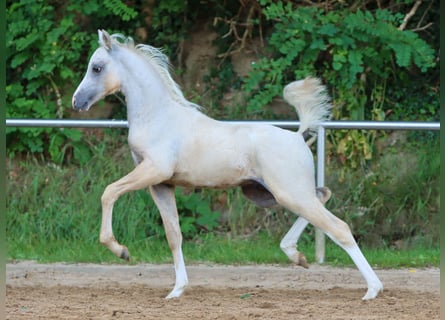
[[90, 291]]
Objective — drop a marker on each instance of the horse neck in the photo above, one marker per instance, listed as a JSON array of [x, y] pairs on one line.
[[145, 93]]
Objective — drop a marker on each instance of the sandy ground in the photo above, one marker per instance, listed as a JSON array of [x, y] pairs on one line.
[[89, 291]]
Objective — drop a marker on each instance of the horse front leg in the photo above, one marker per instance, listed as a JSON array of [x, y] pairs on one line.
[[144, 175], [164, 197]]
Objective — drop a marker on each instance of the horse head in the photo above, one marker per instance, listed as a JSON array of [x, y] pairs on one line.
[[101, 78]]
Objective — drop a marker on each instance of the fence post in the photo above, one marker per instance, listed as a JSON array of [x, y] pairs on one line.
[[319, 235]]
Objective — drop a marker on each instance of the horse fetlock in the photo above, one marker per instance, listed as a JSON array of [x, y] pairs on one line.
[[302, 261], [176, 293], [297, 257], [107, 239], [181, 283], [290, 251], [118, 249]]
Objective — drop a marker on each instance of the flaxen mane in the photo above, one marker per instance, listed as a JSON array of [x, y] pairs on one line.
[[160, 63]]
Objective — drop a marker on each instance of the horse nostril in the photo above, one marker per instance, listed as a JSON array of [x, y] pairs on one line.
[[73, 102]]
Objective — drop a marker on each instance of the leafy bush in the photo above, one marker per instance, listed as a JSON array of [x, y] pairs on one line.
[[350, 50], [387, 207], [45, 43], [358, 54]]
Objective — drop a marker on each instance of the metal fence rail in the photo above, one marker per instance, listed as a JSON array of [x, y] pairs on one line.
[[321, 141], [374, 125]]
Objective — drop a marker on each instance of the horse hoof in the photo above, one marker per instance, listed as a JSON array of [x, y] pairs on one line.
[[373, 292], [302, 261], [176, 293], [125, 254]]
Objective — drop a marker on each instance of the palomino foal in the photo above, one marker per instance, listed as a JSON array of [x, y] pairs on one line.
[[174, 144]]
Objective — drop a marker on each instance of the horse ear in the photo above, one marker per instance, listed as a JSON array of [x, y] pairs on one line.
[[105, 39]]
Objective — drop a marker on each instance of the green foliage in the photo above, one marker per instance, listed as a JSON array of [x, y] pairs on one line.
[[220, 81], [120, 9], [358, 54], [395, 201], [195, 214], [348, 49], [45, 43], [170, 24], [32, 86]]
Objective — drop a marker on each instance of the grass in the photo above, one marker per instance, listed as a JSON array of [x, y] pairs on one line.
[[53, 214], [260, 249]]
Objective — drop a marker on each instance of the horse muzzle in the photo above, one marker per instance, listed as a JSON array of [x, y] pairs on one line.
[[80, 105], [82, 101]]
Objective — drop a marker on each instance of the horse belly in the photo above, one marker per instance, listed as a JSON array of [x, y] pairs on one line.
[[213, 170]]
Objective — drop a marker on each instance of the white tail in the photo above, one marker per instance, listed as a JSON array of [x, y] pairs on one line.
[[310, 99]]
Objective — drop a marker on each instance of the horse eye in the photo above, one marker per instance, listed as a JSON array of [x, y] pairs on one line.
[[97, 69]]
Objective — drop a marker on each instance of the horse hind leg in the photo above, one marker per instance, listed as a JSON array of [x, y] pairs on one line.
[[289, 242], [311, 209]]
